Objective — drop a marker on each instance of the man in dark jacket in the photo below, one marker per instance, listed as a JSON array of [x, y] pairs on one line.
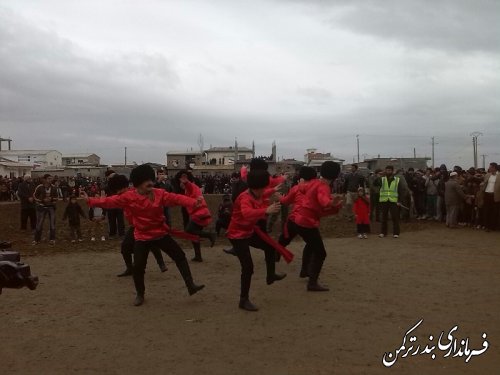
[[416, 183], [116, 220], [454, 196], [25, 193], [162, 182], [45, 197], [352, 183], [374, 195]]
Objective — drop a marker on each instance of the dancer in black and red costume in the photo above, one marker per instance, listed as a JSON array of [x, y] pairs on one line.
[[317, 203], [146, 204], [119, 184], [244, 232], [296, 197], [198, 217]]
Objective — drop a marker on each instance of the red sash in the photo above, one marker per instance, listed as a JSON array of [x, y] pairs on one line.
[[184, 235]]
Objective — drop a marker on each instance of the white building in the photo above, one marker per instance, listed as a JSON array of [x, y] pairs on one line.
[[81, 159], [11, 168], [34, 158], [227, 155]]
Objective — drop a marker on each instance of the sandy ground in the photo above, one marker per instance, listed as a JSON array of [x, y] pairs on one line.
[[80, 320]]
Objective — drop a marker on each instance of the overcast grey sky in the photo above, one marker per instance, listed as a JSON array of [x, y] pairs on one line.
[[99, 75]]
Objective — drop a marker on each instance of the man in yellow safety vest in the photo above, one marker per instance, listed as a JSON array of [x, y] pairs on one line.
[[391, 192]]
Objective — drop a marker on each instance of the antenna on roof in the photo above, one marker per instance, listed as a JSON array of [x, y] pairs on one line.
[[8, 140], [201, 143]]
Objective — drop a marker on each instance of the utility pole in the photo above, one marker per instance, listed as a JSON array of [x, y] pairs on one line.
[[433, 145], [125, 156], [357, 142], [475, 136], [201, 143], [474, 151]]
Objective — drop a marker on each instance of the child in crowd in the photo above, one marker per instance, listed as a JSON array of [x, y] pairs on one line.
[[361, 209], [97, 216], [224, 214], [72, 213]]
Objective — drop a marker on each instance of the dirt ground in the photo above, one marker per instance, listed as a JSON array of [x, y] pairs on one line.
[[80, 319]]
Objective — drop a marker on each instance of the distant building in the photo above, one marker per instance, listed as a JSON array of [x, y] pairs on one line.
[[397, 163], [177, 160], [35, 158], [314, 159], [286, 166], [213, 161], [81, 159], [12, 169], [227, 155]]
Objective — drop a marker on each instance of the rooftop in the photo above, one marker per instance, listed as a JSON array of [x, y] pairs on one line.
[[26, 152], [190, 153], [9, 163], [228, 149], [390, 158], [74, 156]]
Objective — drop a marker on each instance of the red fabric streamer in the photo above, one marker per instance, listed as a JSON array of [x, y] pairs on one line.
[[287, 254], [184, 235]]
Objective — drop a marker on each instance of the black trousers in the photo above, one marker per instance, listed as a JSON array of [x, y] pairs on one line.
[[168, 245], [116, 222], [291, 228], [28, 213], [419, 199], [242, 248], [293, 232], [393, 208], [363, 228], [374, 207], [197, 229], [314, 252], [222, 223], [127, 249], [75, 232], [491, 211]]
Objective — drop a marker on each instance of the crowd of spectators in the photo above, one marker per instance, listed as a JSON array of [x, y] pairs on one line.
[[429, 191], [66, 186], [473, 194]]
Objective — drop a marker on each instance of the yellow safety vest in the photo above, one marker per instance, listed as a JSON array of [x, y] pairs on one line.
[[389, 193]]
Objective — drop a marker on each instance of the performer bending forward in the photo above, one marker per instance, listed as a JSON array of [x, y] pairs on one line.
[[145, 205], [248, 209]]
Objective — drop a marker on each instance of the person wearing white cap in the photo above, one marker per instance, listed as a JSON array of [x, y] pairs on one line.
[[454, 195]]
